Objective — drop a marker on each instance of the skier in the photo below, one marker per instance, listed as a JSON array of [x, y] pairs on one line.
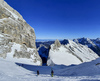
[[52, 73], [37, 72]]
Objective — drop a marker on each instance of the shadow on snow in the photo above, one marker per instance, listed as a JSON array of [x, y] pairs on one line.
[[44, 69], [84, 69]]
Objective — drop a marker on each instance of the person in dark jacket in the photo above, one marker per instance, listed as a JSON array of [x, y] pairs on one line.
[[52, 72], [37, 72]]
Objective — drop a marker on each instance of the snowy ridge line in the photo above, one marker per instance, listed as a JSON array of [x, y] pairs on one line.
[[93, 44], [70, 53]]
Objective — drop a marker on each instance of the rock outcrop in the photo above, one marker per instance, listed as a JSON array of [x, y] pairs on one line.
[[14, 29], [57, 44], [12, 23]]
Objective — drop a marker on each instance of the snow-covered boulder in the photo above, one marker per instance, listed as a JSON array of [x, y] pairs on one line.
[[15, 32], [70, 53]]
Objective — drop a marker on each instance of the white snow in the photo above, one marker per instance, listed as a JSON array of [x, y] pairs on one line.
[[62, 56], [71, 53], [1, 20], [10, 55], [17, 47], [14, 15], [85, 53], [1, 35], [11, 71]]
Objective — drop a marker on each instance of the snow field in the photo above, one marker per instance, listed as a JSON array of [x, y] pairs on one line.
[[11, 71]]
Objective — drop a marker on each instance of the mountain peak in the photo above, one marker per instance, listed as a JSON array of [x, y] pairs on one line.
[[57, 43]]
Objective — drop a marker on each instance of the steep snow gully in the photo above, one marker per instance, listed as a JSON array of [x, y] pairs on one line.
[[43, 50]]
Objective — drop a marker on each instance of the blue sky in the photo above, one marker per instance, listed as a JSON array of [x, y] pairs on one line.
[[60, 19]]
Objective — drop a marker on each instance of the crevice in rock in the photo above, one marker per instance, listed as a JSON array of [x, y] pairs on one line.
[[43, 50]]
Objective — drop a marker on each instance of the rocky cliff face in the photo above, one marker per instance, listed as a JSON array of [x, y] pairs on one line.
[[14, 29], [12, 23]]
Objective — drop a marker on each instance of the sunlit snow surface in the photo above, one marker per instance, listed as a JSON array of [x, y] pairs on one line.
[[71, 53], [11, 71], [17, 47]]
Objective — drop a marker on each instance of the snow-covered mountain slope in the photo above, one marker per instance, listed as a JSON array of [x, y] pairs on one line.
[[17, 38], [71, 53], [85, 69], [10, 71], [96, 42], [93, 44]]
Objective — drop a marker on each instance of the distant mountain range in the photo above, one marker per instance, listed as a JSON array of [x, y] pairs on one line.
[[94, 45], [44, 40]]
